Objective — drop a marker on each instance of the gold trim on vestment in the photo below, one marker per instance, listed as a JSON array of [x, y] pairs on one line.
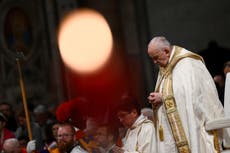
[[216, 141], [170, 103], [174, 118]]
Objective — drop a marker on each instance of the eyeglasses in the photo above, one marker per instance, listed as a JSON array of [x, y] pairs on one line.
[[64, 136]]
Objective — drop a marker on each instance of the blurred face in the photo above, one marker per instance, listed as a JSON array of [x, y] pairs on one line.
[[91, 127], [55, 129], [127, 118], [101, 137], [23, 143], [5, 109], [22, 121], [160, 57], [2, 125], [12, 148], [40, 118], [65, 138]]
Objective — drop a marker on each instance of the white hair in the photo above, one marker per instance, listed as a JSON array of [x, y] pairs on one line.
[[147, 111], [159, 42], [11, 142]]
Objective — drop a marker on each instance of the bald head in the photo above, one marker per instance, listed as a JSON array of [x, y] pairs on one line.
[[148, 112], [11, 145]]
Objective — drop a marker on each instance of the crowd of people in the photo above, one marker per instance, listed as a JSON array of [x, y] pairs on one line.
[[184, 99]]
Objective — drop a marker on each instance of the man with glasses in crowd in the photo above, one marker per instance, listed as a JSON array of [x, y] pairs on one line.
[[106, 138], [66, 140]]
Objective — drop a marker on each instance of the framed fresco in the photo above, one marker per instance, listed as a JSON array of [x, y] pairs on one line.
[[19, 29]]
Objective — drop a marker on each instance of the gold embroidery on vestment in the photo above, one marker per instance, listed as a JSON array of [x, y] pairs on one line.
[[170, 103]]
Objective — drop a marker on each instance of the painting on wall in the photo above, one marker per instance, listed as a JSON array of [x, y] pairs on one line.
[[20, 29], [17, 31]]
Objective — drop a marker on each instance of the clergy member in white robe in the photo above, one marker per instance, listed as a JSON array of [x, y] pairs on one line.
[[140, 134], [193, 97]]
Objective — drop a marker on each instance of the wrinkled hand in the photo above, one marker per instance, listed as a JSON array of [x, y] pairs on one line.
[[31, 146], [117, 149], [155, 98]]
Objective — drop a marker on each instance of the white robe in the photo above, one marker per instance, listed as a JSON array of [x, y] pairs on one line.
[[140, 139], [78, 149], [197, 102]]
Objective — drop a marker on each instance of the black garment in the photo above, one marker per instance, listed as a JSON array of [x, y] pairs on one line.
[[68, 151], [220, 91], [11, 124], [215, 56], [111, 151]]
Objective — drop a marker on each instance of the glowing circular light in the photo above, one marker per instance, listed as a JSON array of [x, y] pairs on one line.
[[85, 41]]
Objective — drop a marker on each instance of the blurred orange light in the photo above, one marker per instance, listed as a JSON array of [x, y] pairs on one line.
[[85, 41]]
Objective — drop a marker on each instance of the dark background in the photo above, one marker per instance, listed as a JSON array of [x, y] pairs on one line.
[[201, 26]]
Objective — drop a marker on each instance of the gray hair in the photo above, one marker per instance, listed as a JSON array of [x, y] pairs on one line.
[[40, 109], [147, 111], [159, 42]]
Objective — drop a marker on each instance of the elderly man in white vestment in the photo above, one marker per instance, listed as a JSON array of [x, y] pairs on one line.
[[139, 137], [185, 98]]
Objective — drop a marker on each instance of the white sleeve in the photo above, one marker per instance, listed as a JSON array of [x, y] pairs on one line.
[[146, 140]]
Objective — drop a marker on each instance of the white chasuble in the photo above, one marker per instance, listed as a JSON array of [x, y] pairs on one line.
[[197, 102]]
